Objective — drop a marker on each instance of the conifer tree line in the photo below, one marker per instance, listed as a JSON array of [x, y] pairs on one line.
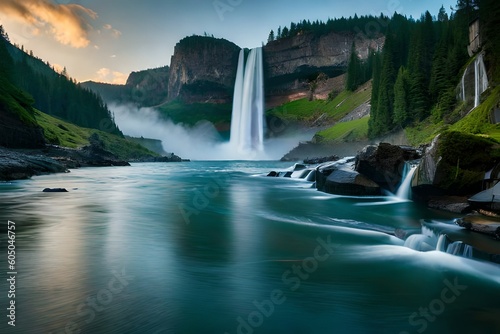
[[416, 74], [55, 93], [351, 24]]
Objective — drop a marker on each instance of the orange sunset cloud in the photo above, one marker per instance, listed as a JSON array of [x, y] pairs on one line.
[[67, 23]]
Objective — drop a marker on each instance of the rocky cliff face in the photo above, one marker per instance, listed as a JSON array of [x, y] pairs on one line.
[[146, 88], [149, 87], [291, 60], [203, 69]]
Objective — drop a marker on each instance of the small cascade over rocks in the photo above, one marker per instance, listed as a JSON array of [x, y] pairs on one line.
[[404, 190], [434, 240]]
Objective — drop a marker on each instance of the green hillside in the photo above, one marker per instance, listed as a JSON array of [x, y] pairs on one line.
[[54, 93], [355, 130], [305, 111], [60, 132]]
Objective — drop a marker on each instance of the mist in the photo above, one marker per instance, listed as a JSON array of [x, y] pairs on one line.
[[200, 142]]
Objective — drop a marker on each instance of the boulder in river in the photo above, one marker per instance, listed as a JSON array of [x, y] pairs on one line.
[[481, 223], [55, 190], [384, 163], [340, 178]]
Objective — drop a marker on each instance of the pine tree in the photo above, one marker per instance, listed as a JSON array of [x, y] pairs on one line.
[[373, 121], [285, 32], [271, 36], [354, 71], [401, 114]]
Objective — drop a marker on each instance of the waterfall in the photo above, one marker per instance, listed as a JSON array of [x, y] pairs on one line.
[[480, 79], [464, 97], [247, 123], [237, 99], [430, 240], [460, 249], [404, 190], [441, 243]]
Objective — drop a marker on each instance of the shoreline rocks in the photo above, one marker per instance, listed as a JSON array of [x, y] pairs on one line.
[[19, 164], [481, 223]]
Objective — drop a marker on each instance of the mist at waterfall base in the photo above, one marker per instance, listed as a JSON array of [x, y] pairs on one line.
[[199, 142]]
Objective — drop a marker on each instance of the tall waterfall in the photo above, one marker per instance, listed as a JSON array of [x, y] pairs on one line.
[[247, 123]]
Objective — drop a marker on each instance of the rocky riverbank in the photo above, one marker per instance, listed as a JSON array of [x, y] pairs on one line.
[[444, 175], [18, 164]]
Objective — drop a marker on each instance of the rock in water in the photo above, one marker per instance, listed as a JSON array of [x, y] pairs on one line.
[[350, 183], [384, 163], [55, 190]]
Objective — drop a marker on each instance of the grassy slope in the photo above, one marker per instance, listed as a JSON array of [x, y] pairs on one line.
[[476, 122], [69, 135], [346, 131], [308, 111], [16, 102]]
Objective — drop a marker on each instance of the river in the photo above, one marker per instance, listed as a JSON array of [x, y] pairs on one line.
[[216, 247]]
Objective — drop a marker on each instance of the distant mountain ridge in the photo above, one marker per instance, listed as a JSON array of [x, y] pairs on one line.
[[147, 88]]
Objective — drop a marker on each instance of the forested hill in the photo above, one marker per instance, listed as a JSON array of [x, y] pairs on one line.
[[55, 93], [18, 127], [416, 75]]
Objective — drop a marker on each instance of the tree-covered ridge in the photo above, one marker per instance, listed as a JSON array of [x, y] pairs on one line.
[[55, 93], [200, 42], [418, 69], [368, 25]]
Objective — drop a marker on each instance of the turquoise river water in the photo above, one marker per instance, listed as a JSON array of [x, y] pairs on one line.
[[216, 247]]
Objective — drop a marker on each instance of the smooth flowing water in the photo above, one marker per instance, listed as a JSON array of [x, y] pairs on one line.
[[216, 247]]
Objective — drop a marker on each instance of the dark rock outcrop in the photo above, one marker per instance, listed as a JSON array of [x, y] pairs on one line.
[[384, 163], [340, 178], [203, 69], [150, 87], [288, 61], [54, 190], [16, 165], [481, 223], [315, 161], [455, 163], [350, 183]]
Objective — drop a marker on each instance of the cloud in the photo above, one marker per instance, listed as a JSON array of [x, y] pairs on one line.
[[107, 75], [114, 32], [66, 23]]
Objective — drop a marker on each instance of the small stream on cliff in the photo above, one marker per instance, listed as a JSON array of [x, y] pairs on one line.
[[216, 247]]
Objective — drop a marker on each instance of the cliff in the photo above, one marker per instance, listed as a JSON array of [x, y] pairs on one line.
[[290, 61], [150, 87], [203, 69], [146, 88]]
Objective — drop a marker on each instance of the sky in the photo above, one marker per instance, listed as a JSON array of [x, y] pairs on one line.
[[105, 40]]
